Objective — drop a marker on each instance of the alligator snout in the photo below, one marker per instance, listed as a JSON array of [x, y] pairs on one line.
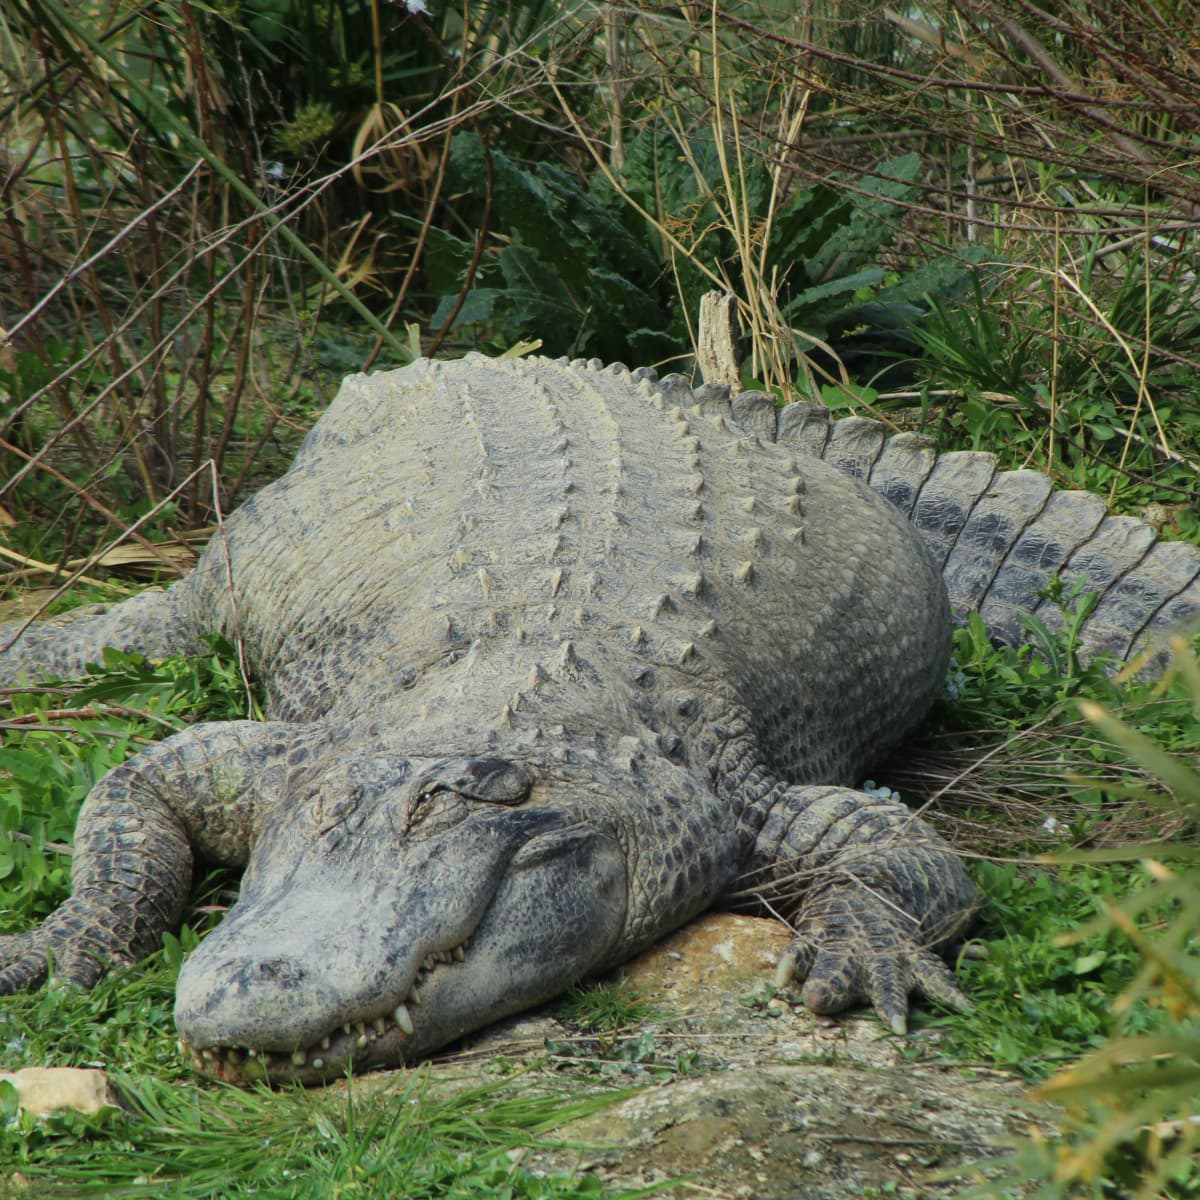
[[252, 1002]]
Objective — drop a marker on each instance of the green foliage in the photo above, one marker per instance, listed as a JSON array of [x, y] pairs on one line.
[[1041, 993], [1037, 1003], [613, 1041], [577, 269], [610, 1005], [218, 1141], [824, 242], [568, 272], [995, 685], [124, 1021], [1132, 1098], [1094, 377], [59, 741]]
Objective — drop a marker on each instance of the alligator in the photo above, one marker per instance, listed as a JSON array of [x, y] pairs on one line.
[[555, 656]]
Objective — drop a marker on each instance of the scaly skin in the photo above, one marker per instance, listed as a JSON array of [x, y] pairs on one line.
[[554, 659]]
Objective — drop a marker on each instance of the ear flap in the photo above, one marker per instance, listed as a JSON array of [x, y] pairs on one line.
[[491, 780]]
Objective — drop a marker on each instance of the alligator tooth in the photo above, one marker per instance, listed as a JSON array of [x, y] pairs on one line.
[[361, 1041], [427, 964], [346, 1029], [181, 1046], [299, 1058], [414, 998], [401, 1017], [318, 1063], [380, 1025], [460, 954], [207, 1055], [251, 1052], [325, 1043]]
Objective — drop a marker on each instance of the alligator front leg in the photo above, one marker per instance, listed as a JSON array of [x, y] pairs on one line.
[[153, 623], [199, 792], [874, 895]]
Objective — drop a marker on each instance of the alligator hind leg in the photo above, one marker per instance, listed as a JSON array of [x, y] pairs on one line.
[[153, 623], [197, 793], [873, 894]]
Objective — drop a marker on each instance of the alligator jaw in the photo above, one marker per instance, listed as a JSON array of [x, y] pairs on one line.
[[377, 1041]]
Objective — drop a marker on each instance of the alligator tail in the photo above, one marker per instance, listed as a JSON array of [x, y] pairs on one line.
[[1000, 537]]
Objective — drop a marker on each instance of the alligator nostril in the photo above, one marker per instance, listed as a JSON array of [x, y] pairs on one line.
[[251, 973], [280, 970]]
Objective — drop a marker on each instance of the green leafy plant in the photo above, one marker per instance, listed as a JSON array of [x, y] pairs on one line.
[[57, 742], [609, 1005], [577, 270], [219, 1141], [1132, 1117], [567, 271]]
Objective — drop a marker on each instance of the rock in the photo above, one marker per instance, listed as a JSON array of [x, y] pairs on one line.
[[770, 1101], [46, 1090], [788, 1130]]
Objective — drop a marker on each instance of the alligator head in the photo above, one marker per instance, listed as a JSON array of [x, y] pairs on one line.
[[383, 916]]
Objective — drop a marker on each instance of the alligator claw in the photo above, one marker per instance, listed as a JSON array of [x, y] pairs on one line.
[[22, 966], [78, 949], [862, 949]]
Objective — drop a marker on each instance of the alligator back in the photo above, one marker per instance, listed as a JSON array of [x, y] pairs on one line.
[[1000, 537]]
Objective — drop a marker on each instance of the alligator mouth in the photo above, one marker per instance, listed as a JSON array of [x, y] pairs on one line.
[[373, 1041]]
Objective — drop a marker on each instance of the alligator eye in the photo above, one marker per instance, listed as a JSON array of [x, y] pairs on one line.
[[440, 795], [431, 812], [491, 780]]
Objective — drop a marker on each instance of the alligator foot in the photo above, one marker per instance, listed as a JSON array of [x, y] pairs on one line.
[[853, 947], [77, 940], [875, 896]]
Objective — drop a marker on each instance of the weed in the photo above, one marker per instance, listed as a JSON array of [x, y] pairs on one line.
[[225, 1142], [1131, 1098], [610, 1005], [58, 741]]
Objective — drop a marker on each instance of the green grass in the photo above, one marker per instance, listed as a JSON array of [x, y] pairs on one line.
[[1092, 384], [1038, 1004], [610, 1005], [1041, 995], [1090, 981], [357, 1141]]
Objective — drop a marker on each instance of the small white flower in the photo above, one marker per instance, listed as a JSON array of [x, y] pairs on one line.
[[1050, 825], [416, 6]]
